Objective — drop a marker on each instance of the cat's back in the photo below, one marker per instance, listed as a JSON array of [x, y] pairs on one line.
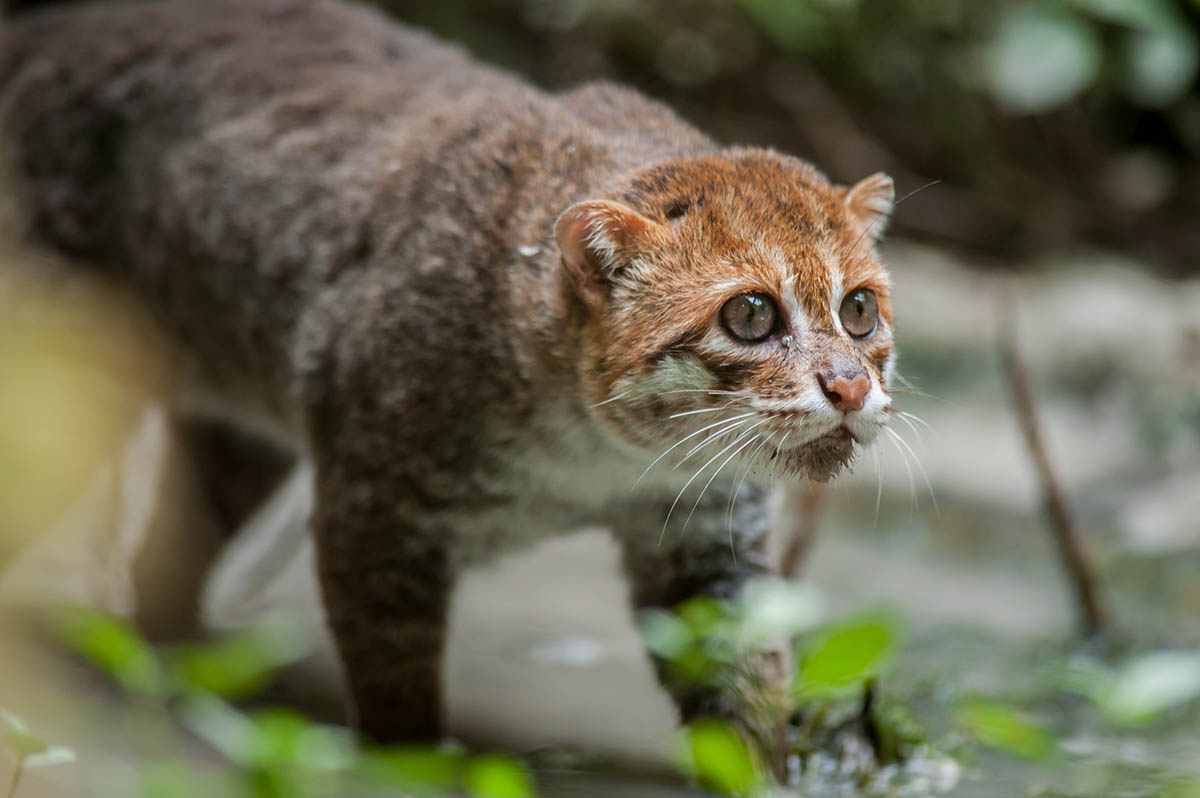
[[94, 99]]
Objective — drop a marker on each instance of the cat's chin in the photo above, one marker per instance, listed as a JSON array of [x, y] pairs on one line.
[[820, 460]]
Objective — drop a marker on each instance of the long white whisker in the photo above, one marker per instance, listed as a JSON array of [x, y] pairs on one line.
[[694, 412], [916, 418], [716, 473], [699, 471], [741, 479], [920, 468], [878, 483], [709, 441], [683, 441], [907, 422], [713, 392], [745, 474], [614, 398], [912, 484]]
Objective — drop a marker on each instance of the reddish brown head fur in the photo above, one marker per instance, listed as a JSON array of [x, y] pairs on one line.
[[656, 263]]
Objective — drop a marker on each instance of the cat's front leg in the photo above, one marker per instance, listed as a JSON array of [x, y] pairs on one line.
[[712, 554], [386, 584]]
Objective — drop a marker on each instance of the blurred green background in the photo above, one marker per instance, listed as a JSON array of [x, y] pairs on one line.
[[1048, 122]]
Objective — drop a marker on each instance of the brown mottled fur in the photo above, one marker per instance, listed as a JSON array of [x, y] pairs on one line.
[[480, 309]]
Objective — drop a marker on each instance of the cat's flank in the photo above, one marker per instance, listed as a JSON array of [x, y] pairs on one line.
[[483, 311]]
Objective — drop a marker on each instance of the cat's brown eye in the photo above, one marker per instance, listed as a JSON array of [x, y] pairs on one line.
[[860, 313], [750, 317]]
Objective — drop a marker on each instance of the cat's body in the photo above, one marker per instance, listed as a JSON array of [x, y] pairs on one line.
[[369, 245]]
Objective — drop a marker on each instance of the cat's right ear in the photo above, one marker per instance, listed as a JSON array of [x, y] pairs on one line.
[[596, 239]]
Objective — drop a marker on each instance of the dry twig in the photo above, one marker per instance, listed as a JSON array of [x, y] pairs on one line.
[[1070, 544]]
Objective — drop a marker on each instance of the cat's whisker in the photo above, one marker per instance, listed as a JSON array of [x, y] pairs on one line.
[[924, 476], [708, 441], [678, 443], [915, 418], [717, 473], [912, 483], [746, 474], [694, 412], [692, 479], [614, 398], [908, 422], [878, 482], [713, 392], [741, 480]]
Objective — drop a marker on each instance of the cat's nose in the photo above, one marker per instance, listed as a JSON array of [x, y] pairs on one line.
[[845, 392]]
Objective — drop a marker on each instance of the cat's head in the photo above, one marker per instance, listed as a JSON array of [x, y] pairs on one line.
[[737, 311]]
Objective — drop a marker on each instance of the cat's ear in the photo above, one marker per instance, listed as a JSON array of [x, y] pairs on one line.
[[596, 239], [870, 202]]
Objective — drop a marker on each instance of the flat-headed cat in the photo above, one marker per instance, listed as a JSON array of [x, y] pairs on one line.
[[485, 312]]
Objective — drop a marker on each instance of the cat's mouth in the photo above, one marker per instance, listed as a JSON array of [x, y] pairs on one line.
[[842, 433], [821, 458]]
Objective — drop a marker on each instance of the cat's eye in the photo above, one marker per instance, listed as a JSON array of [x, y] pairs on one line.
[[860, 313], [750, 317]]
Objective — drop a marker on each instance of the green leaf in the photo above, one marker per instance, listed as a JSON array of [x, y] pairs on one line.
[[1004, 728], [53, 755], [240, 665], [19, 738], [410, 769], [664, 633], [1040, 59], [1149, 686], [167, 780], [222, 726], [721, 759], [772, 610], [113, 646], [705, 616], [842, 657], [497, 777]]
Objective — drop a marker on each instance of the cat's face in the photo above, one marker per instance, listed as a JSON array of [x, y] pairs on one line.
[[737, 312]]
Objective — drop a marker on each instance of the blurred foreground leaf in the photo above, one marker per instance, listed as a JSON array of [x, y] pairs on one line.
[[772, 610], [19, 738], [1150, 685], [497, 777], [413, 769], [1005, 728], [241, 664], [721, 759], [113, 646], [841, 657]]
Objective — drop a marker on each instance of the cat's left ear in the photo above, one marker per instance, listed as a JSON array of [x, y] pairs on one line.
[[870, 202]]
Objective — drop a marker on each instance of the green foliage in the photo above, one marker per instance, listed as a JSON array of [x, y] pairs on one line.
[[271, 753], [412, 769], [1003, 727], [114, 647], [239, 665], [30, 750], [497, 777], [1138, 692], [843, 657], [721, 759], [19, 738]]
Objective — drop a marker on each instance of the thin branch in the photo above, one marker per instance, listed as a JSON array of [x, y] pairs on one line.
[[1071, 548], [802, 526]]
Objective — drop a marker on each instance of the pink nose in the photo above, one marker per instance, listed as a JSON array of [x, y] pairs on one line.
[[845, 393]]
